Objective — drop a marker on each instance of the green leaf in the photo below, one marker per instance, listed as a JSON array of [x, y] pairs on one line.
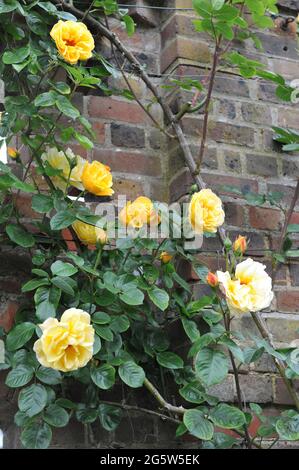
[[132, 296], [103, 376], [130, 25], [84, 141], [46, 301], [66, 107], [233, 347], [159, 297], [32, 400], [120, 324], [197, 305], [63, 283], [110, 416], [86, 415], [192, 392], [227, 417], [191, 329], [132, 374], [62, 219], [104, 332], [101, 318], [34, 284], [59, 268], [19, 335], [42, 203], [7, 7], [46, 99], [36, 435], [61, 87], [19, 376], [16, 56], [49, 376], [288, 427], [56, 416], [170, 360], [203, 8], [19, 236], [198, 425], [211, 366]]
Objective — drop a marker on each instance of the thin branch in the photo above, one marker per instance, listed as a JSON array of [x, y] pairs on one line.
[[152, 389], [288, 217], [207, 106], [142, 410]]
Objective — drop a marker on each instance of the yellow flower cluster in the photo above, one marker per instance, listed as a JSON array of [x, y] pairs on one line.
[[138, 213], [73, 41], [94, 177], [67, 344], [64, 161], [205, 211], [250, 290], [89, 234]]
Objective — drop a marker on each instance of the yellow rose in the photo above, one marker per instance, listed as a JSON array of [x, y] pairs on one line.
[[240, 245], [89, 234], [250, 290], [13, 153], [60, 160], [205, 211], [67, 344], [73, 41], [97, 179], [138, 213], [165, 257]]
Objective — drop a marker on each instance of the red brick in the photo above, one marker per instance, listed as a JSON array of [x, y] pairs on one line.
[[234, 214], [108, 108], [7, 314], [129, 162], [281, 394], [264, 219], [288, 301], [99, 130]]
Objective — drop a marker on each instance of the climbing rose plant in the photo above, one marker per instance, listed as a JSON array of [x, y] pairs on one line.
[[98, 315]]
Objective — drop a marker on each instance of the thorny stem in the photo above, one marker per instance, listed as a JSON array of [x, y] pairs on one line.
[[112, 37], [226, 318], [207, 106]]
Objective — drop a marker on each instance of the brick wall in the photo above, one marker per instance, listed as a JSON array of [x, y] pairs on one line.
[[240, 152]]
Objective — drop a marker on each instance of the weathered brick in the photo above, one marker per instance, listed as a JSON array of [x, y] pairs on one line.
[[294, 272], [130, 188], [256, 114], [281, 394], [109, 108], [290, 167], [129, 162], [225, 390], [8, 311], [288, 118], [288, 301], [265, 364], [234, 214], [261, 165], [279, 45], [185, 48], [264, 219], [232, 161], [256, 388], [221, 131], [221, 183], [286, 192], [99, 128], [179, 24], [266, 92], [226, 109], [127, 136]]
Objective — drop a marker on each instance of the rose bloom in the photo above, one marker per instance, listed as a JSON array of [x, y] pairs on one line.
[[250, 290], [12, 153], [205, 211], [138, 213], [89, 234], [97, 179], [240, 245], [60, 160], [67, 344], [73, 41], [212, 279], [165, 257]]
